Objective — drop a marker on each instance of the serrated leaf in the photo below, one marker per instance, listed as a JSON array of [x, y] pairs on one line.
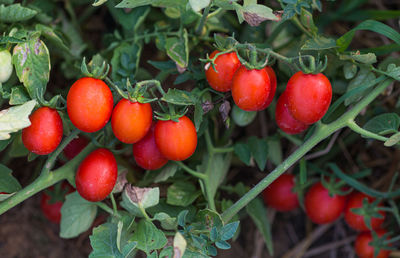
[[383, 124], [276, 155], [125, 59], [15, 13], [18, 95], [148, 237], [307, 20], [254, 14], [178, 51], [15, 118], [135, 198], [8, 183], [319, 43], [182, 193], [178, 97], [259, 151], [243, 152], [77, 215], [51, 36], [32, 65]]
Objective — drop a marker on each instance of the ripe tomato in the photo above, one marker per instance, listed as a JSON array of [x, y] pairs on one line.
[[97, 175], [251, 89], [309, 96], [146, 153], [52, 210], [285, 120], [322, 208], [131, 121], [176, 140], [364, 250], [75, 147], [45, 132], [6, 66], [226, 65], [274, 82], [357, 221], [89, 104], [280, 196]]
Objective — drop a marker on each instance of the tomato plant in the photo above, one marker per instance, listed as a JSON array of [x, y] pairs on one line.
[[97, 175], [130, 121], [52, 200], [45, 132], [363, 246], [280, 194], [89, 104]]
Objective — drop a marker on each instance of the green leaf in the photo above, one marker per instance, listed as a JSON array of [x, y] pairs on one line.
[[254, 14], [223, 245], [178, 51], [229, 230], [182, 218], [394, 139], [148, 237], [182, 193], [165, 172], [51, 36], [198, 5], [135, 198], [11, 40], [363, 76], [243, 152], [178, 97], [208, 219], [15, 118], [307, 20], [167, 222], [258, 214], [276, 155], [349, 70], [17, 148], [77, 215], [225, 4], [259, 151], [8, 183], [368, 58], [6, 1], [18, 95], [158, 3], [319, 43], [104, 243], [242, 117], [15, 13], [383, 124], [32, 65], [125, 60], [167, 252]]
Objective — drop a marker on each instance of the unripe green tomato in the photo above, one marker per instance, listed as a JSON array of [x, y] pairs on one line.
[[242, 117], [6, 67]]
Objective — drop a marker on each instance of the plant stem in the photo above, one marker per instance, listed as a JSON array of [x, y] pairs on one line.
[[191, 171], [104, 206], [356, 128], [203, 19]]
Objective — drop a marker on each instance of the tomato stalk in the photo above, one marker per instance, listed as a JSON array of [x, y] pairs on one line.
[[322, 132]]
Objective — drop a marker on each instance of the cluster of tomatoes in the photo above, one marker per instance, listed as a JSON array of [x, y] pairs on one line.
[[323, 207], [305, 100], [90, 106]]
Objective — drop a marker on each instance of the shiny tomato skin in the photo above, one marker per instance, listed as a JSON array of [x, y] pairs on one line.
[[75, 147], [52, 211], [364, 250], [131, 121], [322, 208], [356, 221], [176, 140], [285, 120], [280, 196], [251, 88], [97, 175], [146, 153], [309, 96], [89, 104], [274, 83], [45, 132], [226, 65]]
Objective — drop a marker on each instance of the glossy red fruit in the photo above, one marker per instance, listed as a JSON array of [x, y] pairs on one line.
[[285, 120], [146, 153], [131, 121], [45, 132], [176, 140], [97, 175], [364, 250], [274, 83], [52, 210], [356, 221], [280, 195], [89, 104], [309, 96], [322, 208], [251, 89], [226, 65], [75, 147]]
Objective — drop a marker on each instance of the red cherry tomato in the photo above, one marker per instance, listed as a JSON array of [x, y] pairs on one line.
[[45, 132], [176, 140], [322, 208], [274, 82], [251, 89], [226, 65], [146, 153], [89, 104], [97, 175], [52, 210], [309, 96], [280, 196], [75, 147], [364, 250], [285, 120], [131, 121], [357, 221]]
